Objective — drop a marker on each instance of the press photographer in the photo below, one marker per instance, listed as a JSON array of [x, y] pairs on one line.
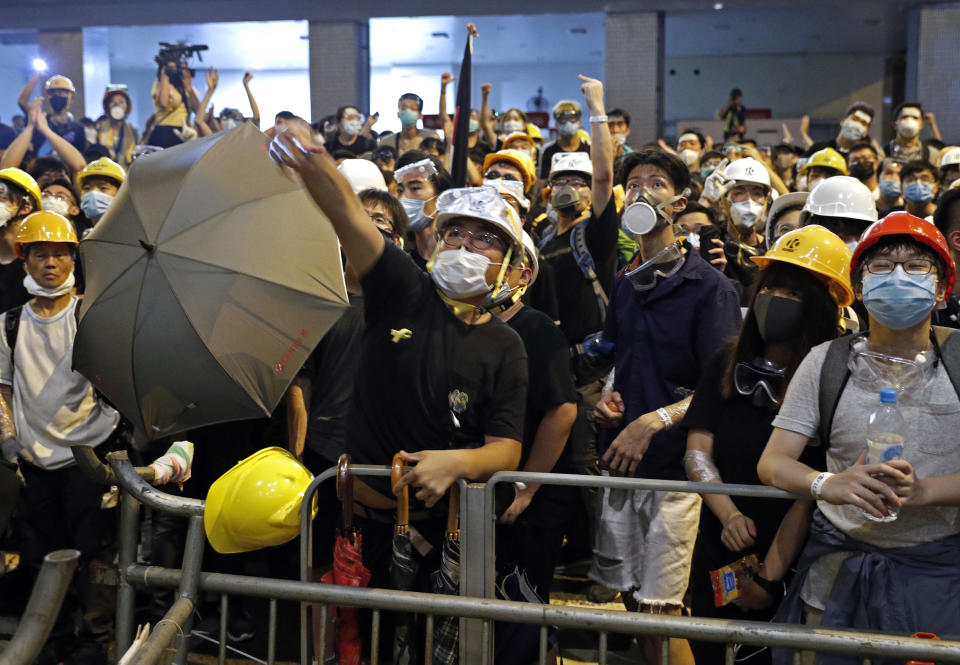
[[174, 97]]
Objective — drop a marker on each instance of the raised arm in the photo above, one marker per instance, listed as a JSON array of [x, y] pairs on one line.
[[164, 88], [601, 146], [486, 118], [254, 109], [213, 78], [362, 242], [445, 123], [23, 99], [17, 150], [68, 153]]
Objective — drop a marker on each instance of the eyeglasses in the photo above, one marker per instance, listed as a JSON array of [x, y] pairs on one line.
[[571, 180], [456, 236], [382, 222], [918, 266], [59, 196], [497, 175]]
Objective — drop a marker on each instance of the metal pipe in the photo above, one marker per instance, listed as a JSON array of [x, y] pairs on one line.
[[602, 658], [190, 579], [542, 659], [164, 633], [637, 623], [375, 637], [222, 635], [42, 608], [729, 656], [272, 633], [126, 593], [91, 466], [428, 642], [168, 503]]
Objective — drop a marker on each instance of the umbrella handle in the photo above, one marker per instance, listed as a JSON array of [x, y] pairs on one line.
[[345, 491], [453, 512], [403, 501]]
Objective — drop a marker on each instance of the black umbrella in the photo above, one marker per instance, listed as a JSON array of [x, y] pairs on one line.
[[403, 571], [446, 580]]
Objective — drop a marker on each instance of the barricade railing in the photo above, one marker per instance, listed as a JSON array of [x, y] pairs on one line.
[[474, 605]]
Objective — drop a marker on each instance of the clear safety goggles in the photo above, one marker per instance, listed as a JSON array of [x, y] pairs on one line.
[[873, 371], [760, 379], [422, 169], [666, 263]]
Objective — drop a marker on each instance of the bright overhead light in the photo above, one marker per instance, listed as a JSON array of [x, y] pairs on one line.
[[39, 64], [718, 6]]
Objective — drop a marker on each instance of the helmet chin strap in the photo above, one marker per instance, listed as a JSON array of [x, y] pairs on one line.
[[499, 298]]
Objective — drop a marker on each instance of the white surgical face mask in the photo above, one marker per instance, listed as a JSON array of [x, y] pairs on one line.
[[34, 289], [117, 112], [852, 130], [6, 214], [908, 127], [55, 205], [620, 139], [746, 213], [461, 274], [689, 156], [352, 127], [813, 182], [511, 126], [94, 204]]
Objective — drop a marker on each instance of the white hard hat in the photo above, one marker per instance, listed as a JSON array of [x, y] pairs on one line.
[[747, 170], [576, 162], [484, 204], [362, 174], [530, 250], [949, 156], [841, 196]]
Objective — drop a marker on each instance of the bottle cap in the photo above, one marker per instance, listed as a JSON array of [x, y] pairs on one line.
[[888, 396]]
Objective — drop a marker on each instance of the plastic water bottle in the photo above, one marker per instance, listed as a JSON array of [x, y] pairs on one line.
[[885, 430]]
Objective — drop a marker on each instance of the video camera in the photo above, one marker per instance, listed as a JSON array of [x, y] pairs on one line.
[[179, 52]]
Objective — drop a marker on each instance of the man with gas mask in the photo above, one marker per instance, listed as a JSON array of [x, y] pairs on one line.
[[670, 311], [896, 517], [19, 196], [58, 93], [566, 113], [440, 381], [117, 135]]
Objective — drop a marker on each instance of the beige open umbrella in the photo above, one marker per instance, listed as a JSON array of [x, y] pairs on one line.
[[208, 282]]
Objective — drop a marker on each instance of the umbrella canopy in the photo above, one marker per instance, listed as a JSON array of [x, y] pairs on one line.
[[208, 282]]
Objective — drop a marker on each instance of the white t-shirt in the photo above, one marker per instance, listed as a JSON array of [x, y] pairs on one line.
[[54, 407]]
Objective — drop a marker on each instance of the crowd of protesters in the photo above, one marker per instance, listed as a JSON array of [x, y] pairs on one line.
[[684, 309]]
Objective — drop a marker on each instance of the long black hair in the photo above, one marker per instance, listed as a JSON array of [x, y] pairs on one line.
[[820, 321]]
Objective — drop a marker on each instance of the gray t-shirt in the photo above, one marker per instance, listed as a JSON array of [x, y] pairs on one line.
[[931, 445]]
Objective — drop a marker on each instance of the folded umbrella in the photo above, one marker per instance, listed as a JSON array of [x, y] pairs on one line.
[[403, 571], [208, 282], [446, 580]]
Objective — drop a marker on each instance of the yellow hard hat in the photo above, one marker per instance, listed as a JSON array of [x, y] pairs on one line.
[[818, 250], [257, 502], [103, 168], [519, 159], [43, 226], [59, 82], [24, 181], [829, 158], [534, 132]]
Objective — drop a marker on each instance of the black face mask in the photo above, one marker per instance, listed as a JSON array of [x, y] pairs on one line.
[[778, 318], [862, 170], [58, 103]]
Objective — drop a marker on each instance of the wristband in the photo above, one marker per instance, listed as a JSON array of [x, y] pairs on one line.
[[598, 118], [665, 417], [817, 485]]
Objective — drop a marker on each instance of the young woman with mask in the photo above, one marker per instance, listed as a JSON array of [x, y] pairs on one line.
[[794, 305]]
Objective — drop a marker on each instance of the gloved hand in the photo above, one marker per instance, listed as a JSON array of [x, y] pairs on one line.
[[716, 185]]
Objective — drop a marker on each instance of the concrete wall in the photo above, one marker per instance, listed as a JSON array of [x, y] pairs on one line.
[[634, 57], [934, 65]]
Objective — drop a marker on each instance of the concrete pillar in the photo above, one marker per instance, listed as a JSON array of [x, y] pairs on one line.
[[96, 70], [932, 64], [634, 71], [63, 52], [339, 66]]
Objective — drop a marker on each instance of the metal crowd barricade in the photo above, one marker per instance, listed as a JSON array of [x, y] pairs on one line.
[[477, 612]]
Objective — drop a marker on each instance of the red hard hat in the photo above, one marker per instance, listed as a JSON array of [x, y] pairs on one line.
[[905, 224]]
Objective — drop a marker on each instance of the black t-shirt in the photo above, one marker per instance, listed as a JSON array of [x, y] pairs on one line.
[[427, 380], [548, 366], [7, 134], [361, 145], [332, 369], [12, 292], [576, 300], [552, 148], [740, 433]]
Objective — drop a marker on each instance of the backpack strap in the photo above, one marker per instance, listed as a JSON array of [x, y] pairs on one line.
[[11, 326], [833, 379], [581, 253], [947, 345]]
